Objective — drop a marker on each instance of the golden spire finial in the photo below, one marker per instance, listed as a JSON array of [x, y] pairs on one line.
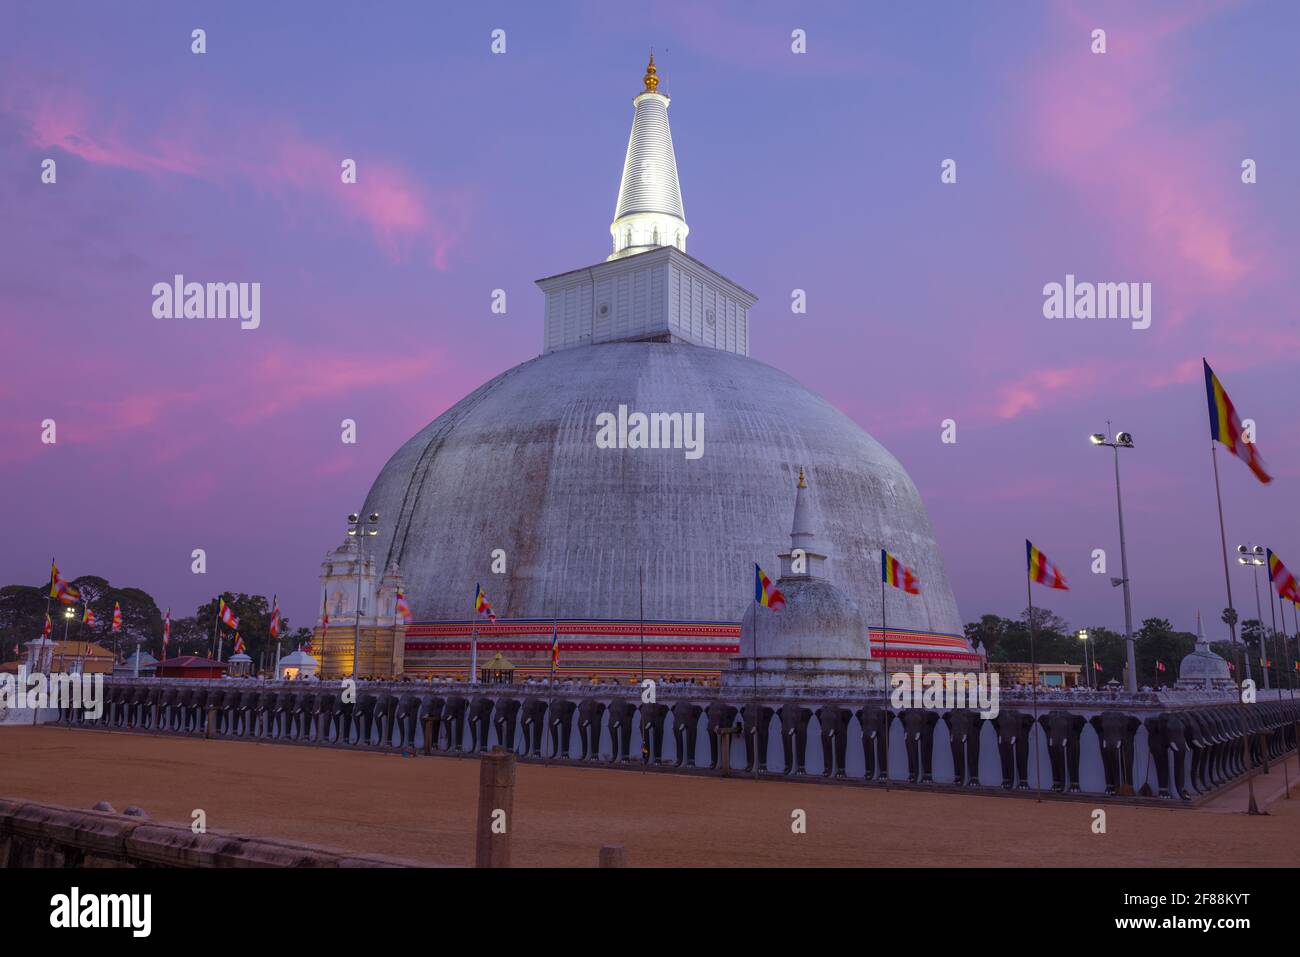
[[802, 483], [651, 75]]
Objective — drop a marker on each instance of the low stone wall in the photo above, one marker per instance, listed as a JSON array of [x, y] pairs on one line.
[[45, 835]]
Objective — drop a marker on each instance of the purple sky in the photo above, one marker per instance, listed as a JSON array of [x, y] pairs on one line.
[[818, 171]]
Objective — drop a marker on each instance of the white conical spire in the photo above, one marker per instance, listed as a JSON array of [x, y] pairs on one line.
[[649, 211], [803, 538]]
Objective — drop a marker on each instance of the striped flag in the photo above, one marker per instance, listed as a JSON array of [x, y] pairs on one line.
[[482, 605], [893, 572], [87, 616], [1160, 666], [167, 630], [765, 593], [1096, 666], [239, 644], [227, 615], [1043, 571], [555, 645], [49, 627], [117, 616], [61, 589], [403, 608], [1282, 578], [1225, 426], [324, 611], [275, 616]]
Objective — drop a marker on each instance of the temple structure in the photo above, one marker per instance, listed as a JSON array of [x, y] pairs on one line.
[[634, 556]]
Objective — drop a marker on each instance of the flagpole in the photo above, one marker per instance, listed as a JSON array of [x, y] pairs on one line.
[[1286, 777], [1251, 806], [640, 581], [1033, 662], [216, 623], [754, 703], [81, 662], [884, 651]]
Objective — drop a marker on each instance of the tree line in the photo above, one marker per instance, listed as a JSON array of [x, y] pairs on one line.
[[23, 607], [1156, 641]]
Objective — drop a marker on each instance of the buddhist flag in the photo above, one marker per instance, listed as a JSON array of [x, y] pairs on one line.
[[403, 608], [87, 616], [239, 644], [227, 615], [275, 616], [1096, 666], [167, 627], [555, 645], [117, 616], [60, 589], [1282, 578], [1160, 666], [893, 572], [1043, 571], [45, 632], [324, 611], [482, 605], [1226, 428], [765, 593]]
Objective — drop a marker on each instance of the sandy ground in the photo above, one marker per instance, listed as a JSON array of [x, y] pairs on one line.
[[423, 809]]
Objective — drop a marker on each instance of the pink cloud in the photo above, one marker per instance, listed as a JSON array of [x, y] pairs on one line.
[[1104, 125], [402, 214], [1031, 391]]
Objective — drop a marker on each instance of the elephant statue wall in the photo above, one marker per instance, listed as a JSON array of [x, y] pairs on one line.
[[721, 715], [327, 705], [560, 721], [532, 723], [184, 710], [454, 719], [590, 713], [506, 720], [385, 708], [834, 721], [480, 722], [430, 718], [875, 721], [622, 713], [1013, 730], [918, 742], [1116, 731], [757, 720], [1063, 730], [794, 737], [1166, 737], [653, 717], [686, 726], [964, 727], [303, 716], [408, 707]]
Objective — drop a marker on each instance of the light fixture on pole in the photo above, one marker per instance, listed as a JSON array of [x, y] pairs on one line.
[[1253, 555], [1083, 636], [360, 531], [1123, 440]]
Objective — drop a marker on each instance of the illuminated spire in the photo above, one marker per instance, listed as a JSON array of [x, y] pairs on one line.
[[651, 75], [649, 211]]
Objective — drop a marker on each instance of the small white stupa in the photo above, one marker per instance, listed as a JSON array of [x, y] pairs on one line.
[[818, 638]]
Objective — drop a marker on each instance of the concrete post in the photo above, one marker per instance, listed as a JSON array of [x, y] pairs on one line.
[[613, 855], [207, 726], [496, 806]]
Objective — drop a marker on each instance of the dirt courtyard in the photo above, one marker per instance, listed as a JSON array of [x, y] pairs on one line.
[[423, 809]]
